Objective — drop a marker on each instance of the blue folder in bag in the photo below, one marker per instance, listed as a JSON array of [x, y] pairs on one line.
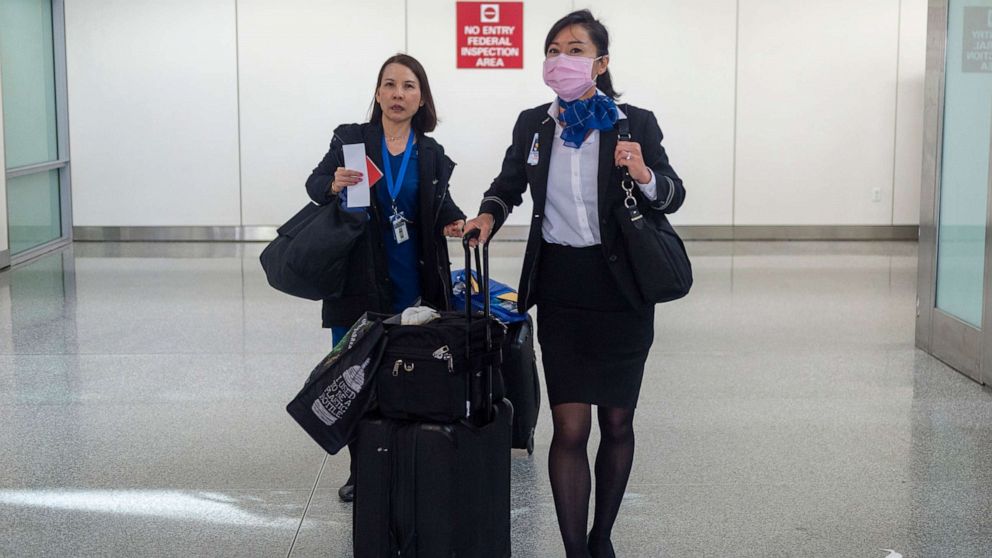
[[503, 299]]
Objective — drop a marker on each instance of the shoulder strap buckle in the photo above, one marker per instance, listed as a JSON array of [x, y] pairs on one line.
[[623, 126]]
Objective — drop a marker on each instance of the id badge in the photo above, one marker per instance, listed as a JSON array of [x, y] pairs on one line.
[[534, 156], [400, 232]]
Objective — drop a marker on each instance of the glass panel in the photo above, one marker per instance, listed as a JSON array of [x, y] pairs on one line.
[[27, 63], [41, 320], [964, 181], [34, 210]]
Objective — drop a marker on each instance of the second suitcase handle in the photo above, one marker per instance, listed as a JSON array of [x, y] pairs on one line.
[[482, 264]]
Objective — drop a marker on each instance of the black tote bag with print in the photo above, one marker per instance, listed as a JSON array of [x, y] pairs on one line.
[[339, 390]]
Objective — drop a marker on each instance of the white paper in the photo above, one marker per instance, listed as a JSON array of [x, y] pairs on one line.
[[354, 159]]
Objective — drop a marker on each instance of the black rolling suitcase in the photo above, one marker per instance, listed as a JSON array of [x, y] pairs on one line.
[[430, 490], [427, 489], [523, 386]]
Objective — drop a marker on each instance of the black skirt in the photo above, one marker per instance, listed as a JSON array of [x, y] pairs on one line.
[[593, 343]]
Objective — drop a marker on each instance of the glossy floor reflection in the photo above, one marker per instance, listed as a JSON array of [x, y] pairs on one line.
[[785, 412]]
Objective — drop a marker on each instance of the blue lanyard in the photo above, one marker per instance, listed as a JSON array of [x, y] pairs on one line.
[[397, 185]]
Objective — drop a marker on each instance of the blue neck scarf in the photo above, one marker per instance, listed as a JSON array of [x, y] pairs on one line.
[[598, 112]]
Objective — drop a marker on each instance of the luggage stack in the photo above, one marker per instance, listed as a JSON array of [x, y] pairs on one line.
[[433, 463]]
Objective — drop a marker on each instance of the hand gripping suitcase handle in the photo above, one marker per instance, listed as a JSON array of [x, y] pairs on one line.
[[482, 264]]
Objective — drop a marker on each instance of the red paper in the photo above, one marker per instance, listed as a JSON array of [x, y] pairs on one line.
[[373, 173]]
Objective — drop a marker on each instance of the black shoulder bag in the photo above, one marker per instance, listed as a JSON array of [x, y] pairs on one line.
[[309, 257], [656, 253]]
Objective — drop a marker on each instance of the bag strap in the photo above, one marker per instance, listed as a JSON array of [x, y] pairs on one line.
[[627, 181], [623, 127]]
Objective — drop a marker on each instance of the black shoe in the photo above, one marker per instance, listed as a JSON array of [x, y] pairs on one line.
[[347, 492]]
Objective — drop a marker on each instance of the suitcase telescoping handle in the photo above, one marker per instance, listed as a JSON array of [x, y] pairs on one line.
[[483, 266]]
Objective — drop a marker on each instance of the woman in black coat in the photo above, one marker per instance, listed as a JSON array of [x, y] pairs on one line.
[[404, 256], [594, 327]]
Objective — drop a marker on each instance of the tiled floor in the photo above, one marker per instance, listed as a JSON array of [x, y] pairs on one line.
[[785, 412]]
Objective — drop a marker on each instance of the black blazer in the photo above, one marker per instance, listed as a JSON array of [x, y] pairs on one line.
[[507, 190], [367, 286]]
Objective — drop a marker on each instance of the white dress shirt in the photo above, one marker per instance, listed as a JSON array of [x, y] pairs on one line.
[[571, 214]]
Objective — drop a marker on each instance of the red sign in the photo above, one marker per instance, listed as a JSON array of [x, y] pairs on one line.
[[490, 35]]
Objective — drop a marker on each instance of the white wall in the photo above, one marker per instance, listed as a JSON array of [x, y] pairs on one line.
[[909, 115], [775, 112], [303, 70], [153, 112], [816, 112]]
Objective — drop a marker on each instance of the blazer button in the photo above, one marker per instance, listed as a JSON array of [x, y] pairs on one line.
[[613, 258], [537, 216]]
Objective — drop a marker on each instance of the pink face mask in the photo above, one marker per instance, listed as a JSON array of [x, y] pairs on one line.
[[569, 76]]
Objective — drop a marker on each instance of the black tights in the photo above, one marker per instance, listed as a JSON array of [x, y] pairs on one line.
[[568, 466]]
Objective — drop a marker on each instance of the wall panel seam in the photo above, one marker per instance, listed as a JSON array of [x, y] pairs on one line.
[[737, 57], [895, 123], [237, 82]]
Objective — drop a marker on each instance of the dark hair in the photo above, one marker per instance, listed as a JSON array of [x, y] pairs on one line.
[[600, 37], [426, 118]]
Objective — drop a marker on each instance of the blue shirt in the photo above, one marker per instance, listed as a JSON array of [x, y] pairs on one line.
[[402, 259]]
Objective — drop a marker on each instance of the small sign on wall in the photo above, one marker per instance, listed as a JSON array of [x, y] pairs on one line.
[[490, 35], [977, 53]]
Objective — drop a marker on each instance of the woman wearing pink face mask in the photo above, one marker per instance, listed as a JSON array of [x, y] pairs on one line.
[[594, 328]]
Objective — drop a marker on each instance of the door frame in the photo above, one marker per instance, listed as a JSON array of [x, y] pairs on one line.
[[959, 344], [62, 164]]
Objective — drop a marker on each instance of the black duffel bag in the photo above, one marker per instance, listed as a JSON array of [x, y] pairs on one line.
[[427, 374], [309, 257], [445, 370]]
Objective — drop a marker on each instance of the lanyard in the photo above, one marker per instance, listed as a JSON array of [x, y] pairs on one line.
[[397, 185]]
